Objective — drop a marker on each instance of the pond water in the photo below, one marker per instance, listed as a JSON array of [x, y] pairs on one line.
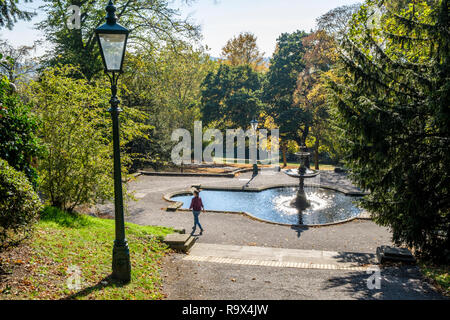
[[327, 206]]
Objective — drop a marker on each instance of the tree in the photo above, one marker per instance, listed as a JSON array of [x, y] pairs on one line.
[[15, 64], [279, 87], [243, 50], [150, 22], [311, 90], [231, 97], [394, 108], [10, 13], [19, 142], [76, 129], [336, 21], [322, 51], [165, 83]]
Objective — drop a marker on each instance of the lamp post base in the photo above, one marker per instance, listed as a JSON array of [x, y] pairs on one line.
[[121, 266]]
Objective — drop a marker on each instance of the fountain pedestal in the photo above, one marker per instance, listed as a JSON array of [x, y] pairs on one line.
[[303, 172], [300, 201]]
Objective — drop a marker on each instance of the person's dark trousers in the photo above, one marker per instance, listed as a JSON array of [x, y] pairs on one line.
[[196, 221]]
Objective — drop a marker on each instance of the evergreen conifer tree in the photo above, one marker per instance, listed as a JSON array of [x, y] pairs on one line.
[[394, 112]]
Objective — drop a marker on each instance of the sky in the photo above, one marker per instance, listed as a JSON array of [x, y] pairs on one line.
[[220, 20]]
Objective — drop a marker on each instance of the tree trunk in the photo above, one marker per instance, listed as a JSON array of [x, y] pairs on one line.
[[284, 150], [316, 154]]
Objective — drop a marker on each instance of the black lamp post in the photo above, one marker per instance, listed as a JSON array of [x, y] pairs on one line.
[[254, 124], [112, 40]]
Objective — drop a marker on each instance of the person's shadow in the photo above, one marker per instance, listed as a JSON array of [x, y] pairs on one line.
[[198, 234], [254, 175]]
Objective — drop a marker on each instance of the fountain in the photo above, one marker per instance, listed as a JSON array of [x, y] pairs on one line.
[[303, 172], [292, 205]]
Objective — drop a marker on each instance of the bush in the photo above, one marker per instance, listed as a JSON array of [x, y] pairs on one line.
[[76, 130], [18, 126], [19, 205]]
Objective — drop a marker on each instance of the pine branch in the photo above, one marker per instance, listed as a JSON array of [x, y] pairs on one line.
[[418, 70], [372, 70], [411, 24]]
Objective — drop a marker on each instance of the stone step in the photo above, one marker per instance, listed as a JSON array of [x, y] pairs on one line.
[[179, 242], [174, 206], [394, 254], [188, 245]]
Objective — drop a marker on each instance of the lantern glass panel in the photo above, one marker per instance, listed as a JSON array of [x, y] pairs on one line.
[[113, 50]]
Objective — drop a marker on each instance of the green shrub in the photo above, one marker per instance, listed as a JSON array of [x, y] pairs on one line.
[[18, 126], [19, 205], [76, 130]]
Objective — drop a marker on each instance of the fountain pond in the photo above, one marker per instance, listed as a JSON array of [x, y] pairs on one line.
[[275, 205]]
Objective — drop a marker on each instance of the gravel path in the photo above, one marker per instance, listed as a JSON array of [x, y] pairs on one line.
[[204, 281], [221, 228], [208, 280]]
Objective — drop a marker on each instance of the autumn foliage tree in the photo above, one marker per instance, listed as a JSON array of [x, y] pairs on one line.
[[243, 50], [166, 85], [311, 92]]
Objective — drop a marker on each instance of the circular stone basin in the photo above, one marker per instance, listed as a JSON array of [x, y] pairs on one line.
[[327, 206]]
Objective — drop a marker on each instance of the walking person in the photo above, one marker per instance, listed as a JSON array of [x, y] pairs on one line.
[[197, 207]]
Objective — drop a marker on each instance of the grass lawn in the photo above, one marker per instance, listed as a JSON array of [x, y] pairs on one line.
[[439, 275], [38, 269], [292, 165]]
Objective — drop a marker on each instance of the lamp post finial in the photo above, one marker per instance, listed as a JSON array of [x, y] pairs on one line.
[[111, 10]]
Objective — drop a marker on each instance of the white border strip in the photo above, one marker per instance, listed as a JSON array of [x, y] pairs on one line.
[[267, 263]]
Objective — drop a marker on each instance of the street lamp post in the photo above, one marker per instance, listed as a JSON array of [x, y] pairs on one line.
[[254, 124], [112, 40]]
